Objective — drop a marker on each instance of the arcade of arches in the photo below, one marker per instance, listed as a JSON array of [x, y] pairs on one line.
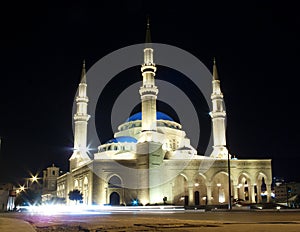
[[202, 191]]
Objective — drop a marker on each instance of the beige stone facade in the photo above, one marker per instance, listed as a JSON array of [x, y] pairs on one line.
[[100, 180]]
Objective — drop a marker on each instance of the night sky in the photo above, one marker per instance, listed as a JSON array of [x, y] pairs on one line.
[[256, 44]]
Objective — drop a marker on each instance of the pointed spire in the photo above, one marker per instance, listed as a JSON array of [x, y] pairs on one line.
[[148, 35], [83, 73], [215, 72]]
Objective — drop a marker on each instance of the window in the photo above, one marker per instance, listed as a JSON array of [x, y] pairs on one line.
[[174, 144], [114, 182]]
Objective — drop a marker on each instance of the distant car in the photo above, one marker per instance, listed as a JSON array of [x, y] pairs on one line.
[[239, 202], [21, 209]]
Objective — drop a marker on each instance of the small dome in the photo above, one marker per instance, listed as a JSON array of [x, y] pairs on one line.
[[159, 116], [122, 139]]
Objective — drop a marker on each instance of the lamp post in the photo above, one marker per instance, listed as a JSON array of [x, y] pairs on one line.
[[287, 194]]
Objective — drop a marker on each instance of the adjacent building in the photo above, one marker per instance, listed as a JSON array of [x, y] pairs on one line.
[[287, 193], [49, 187], [7, 197]]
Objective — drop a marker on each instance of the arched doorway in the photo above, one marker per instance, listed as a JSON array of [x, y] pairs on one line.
[[197, 198], [244, 188], [180, 190], [114, 198], [220, 190], [200, 189], [261, 189]]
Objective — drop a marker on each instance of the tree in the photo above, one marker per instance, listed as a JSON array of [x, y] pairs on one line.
[[75, 195]]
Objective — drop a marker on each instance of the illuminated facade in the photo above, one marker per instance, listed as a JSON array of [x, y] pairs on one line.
[[49, 188], [150, 159], [7, 197]]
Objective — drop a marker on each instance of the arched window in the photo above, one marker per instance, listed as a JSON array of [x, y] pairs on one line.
[[76, 184], [114, 182]]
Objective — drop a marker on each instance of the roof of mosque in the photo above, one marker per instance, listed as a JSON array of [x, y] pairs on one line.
[[159, 116], [122, 139]]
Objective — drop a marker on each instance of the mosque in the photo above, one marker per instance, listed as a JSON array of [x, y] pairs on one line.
[[151, 161]]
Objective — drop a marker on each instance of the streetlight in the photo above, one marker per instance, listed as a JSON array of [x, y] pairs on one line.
[[22, 188], [287, 194], [34, 179]]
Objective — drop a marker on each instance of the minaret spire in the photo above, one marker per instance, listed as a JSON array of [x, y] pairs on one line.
[[218, 116], [148, 34], [215, 71], [83, 73], [149, 90]]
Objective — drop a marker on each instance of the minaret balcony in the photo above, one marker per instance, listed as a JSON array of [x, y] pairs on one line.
[[148, 91], [81, 117], [216, 96], [148, 68], [82, 99], [216, 114]]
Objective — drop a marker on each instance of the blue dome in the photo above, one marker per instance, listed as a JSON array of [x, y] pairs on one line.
[[159, 116], [122, 139]]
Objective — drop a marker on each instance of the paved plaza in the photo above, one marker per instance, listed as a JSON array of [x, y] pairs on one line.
[[154, 221]]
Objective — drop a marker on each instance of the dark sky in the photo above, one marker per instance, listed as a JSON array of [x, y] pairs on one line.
[[256, 44]]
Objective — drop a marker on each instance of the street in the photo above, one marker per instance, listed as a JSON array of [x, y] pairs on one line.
[[162, 221]]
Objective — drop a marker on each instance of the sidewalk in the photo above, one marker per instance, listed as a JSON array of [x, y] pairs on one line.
[[15, 225]]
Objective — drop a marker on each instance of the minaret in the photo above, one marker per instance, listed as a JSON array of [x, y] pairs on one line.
[[81, 120], [149, 151], [218, 116], [148, 91]]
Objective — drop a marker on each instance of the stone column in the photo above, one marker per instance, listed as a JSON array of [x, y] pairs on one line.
[[252, 196], [208, 194], [235, 191], [90, 188], [258, 186], [191, 195], [106, 193]]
